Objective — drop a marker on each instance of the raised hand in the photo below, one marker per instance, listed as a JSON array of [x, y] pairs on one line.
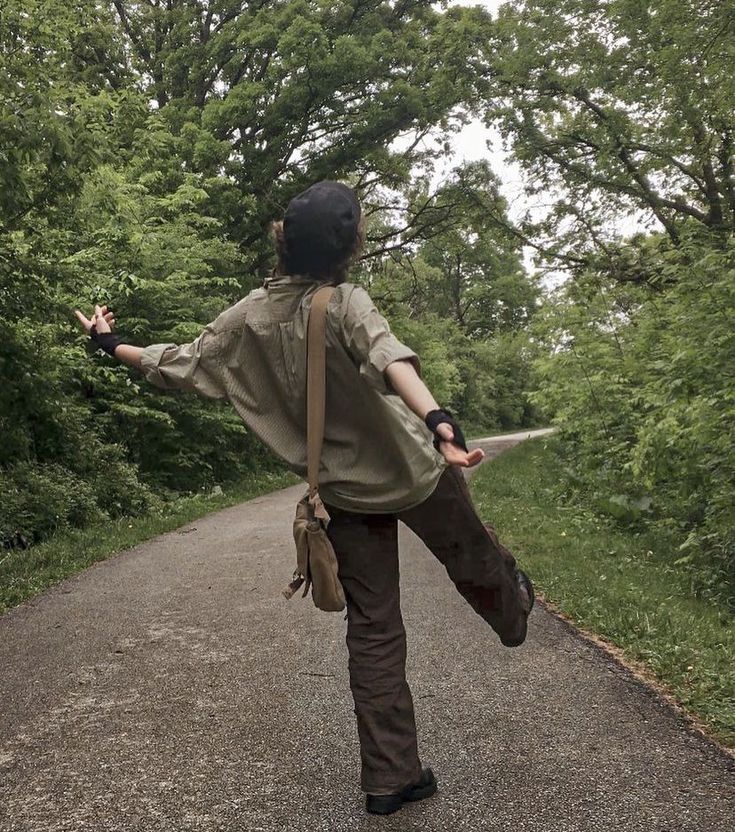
[[102, 319]]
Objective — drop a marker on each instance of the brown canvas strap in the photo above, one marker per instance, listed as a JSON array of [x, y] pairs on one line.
[[316, 393]]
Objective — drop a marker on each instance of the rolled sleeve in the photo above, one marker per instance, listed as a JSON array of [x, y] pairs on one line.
[[371, 343], [194, 367]]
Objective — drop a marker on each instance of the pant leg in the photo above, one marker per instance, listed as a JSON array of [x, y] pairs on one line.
[[482, 569], [366, 546]]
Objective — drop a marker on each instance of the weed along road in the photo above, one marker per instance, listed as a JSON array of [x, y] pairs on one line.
[[172, 688]]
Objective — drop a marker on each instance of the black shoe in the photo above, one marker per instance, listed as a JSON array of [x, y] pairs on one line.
[[526, 587], [525, 582], [386, 804]]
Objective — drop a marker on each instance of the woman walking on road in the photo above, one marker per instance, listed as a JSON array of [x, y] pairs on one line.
[[390, 453]]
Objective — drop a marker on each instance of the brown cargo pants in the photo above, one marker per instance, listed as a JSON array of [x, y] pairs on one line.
[[366, 545]]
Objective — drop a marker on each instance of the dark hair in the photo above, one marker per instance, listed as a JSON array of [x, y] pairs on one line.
[[334, 272]]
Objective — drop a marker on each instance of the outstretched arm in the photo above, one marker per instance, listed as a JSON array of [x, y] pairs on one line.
[[417, 396], [409, 386], [192, 367], [391, 367], [129, 354]]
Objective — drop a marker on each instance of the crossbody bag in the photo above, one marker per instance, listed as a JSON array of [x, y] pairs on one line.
[[316, 562]]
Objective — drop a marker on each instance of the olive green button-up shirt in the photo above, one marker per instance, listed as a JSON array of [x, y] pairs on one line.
[[377, 454]]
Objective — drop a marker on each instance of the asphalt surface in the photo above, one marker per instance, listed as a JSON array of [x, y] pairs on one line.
[[172, 688]]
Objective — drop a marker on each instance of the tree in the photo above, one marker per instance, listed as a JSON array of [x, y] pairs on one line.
[[264, 98], [144, 147], [483, 283], [457, 288], [616, 107]]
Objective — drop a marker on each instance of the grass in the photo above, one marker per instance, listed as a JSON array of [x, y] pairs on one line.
[[614, 581], [26, 572]]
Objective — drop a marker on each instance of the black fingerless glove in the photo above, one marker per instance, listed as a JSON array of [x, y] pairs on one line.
[[105, 340], [436, 417]]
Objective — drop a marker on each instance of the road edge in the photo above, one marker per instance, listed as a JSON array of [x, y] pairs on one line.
[[634, 671]]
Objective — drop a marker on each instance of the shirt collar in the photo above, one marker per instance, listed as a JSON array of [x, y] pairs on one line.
[[288, 279]]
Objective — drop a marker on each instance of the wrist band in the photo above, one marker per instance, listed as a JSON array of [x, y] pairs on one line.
[[105, 340], [435, 417]]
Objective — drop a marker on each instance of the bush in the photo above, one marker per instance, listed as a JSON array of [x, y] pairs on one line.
[[640, 379], [37, 500]]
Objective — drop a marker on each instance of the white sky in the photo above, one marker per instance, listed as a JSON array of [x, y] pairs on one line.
[[476, 141]]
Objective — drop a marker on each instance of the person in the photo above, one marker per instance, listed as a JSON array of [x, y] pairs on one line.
[[390, 453]]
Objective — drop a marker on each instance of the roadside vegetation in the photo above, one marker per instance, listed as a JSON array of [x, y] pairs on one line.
[[25, 573], [613, 578]]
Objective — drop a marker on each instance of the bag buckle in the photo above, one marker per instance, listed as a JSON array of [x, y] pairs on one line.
[[293, 587]]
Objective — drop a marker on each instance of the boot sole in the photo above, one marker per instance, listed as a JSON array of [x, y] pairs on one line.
[[410, 796], [423, 792], [532, 600]]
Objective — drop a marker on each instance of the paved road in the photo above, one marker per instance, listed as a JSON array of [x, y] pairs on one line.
[[172, 688]]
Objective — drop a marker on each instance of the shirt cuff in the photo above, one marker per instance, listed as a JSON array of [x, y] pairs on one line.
[[384, 356], [150, 361]]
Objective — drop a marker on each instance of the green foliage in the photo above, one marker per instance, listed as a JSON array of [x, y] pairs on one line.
[[37, 500], [642, 386], [613, 108], [499, 383], [458, 294], [143, 150]]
